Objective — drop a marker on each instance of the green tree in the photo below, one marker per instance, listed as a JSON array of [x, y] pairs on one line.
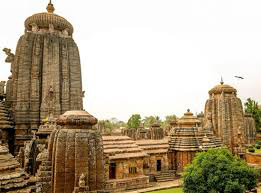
[[252, 107], [109, 125], [134, 121], [148, 121], [105, 125], [168, 120], [218, 171]]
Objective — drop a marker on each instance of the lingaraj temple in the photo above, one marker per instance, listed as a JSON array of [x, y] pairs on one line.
[[48, 144]]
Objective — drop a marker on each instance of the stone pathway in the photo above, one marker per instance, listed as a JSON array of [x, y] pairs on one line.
[[159, 186]]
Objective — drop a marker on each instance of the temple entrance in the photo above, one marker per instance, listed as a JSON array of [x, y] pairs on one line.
[[158, 165], [112, 171]]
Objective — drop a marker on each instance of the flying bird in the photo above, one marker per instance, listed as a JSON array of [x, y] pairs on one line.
[[239, 77]]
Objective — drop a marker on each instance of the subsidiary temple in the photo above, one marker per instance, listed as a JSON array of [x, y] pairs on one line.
[[48, 144]]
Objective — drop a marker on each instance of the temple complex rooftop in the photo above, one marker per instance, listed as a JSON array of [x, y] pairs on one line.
[[121, 147], [12, 178], [154, 146]]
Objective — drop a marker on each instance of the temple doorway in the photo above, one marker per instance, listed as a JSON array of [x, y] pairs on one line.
[[158, 165], [112, 170]]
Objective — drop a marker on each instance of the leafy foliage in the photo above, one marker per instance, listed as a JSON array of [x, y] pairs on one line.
[[168, 120], [218, 171], [148, 121], [108, 125], [134, 121], [252, 107]]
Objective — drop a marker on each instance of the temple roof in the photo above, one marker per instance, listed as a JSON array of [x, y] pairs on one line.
[[154, 146], [188, 120], [77, 118], [184, 139], [222, 88], [43, 20], [121, 147], [12, 178], [187, 136]]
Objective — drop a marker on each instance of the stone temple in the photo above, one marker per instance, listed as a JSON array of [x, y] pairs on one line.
[[48, 144], [225, 112], [46, 73]]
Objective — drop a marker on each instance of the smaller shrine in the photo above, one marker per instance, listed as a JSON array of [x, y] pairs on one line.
[[125, 166], [78, 145], [188, 138]]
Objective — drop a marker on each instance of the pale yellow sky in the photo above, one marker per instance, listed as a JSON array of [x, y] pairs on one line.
[[153, 57]]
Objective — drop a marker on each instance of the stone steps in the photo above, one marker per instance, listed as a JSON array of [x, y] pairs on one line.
[[165, 176]]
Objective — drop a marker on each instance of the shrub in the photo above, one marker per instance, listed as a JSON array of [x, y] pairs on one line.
[[218, 171], [251, 149], [258, 146]]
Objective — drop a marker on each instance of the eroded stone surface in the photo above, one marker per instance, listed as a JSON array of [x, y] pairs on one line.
[[74, 150]]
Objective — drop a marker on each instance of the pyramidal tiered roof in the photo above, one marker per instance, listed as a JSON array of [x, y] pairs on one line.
[[12, 178], [154, 146], [5, 123], [121, 147], [5, 120], [189, 136]]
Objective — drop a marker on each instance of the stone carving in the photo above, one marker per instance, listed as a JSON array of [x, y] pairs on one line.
[[65, 32], [10, 55], [43, 155], [27, 152], [50, 101], [240, 149], [209, 125], [51, 28], [35, 28], [82, 182]]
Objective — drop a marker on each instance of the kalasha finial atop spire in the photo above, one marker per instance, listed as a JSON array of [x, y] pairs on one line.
[[50, 7], [221, 82]]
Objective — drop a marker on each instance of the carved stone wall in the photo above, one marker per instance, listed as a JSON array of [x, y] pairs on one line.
[[250, 129], [46, 80], [74, 150], [226, 112], [155, 132]]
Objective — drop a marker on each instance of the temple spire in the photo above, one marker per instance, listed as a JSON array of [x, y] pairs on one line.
[[221, 82], [50, 8]]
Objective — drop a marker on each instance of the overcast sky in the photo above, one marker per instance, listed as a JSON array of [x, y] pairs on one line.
[[153, 57]]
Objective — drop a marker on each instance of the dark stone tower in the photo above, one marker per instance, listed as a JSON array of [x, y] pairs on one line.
[[46, 73]]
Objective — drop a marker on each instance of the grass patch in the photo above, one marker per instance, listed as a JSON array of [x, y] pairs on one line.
[[258, 151], [172, 190]]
